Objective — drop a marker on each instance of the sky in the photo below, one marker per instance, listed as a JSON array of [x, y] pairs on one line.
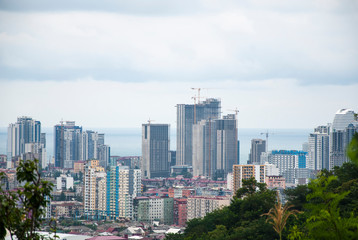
[[116, 64]]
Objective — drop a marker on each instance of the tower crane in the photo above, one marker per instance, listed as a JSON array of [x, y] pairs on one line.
[[267, 134], [149, 121]]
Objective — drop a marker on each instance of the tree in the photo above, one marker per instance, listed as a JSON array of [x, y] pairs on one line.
[[22, 210], [278, 215], [325, 221]]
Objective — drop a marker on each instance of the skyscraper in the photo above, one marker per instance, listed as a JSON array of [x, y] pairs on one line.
[[215, 147], [68, 144], [227, 145], [204, 148], [318, 149], [155, 150], [258, 146], [187, 116], [344, 125], [123, 185], [26, 130]]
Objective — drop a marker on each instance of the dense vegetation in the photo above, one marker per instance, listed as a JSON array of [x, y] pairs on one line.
[[328, 209]]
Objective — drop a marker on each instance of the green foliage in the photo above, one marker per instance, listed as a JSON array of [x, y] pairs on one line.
[[352, 150], [21, 210], [325, 221], [278, 216], [240, 220]]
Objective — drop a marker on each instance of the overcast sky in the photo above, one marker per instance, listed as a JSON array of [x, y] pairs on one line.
[[283, 64]]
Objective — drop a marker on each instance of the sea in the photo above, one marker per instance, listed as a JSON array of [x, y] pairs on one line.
[[127, 141]]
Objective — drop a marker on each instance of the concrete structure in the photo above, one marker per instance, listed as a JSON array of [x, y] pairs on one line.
[[66, 208], [95, 190], [35, 151], [123, 185], [344, 126], [155, 150], [150, 209], [226, 145], [246, 172], [26, 130], [275, 182], [215, 147], [79, 166], [64, 182], [180, 211], [187, 115], [72, 144], [258, 146], [318, 149], [199, 206], [204, 148], [68, 144], [291, 164]]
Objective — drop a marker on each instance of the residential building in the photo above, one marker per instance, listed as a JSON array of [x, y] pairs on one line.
[[204, 148], [26, 130], [227, 145], [155, 150], [258, 146], [180, 211], [318, 149], [292, 165], [123, 185], [344, 126], [64, 182], [68, 144], [149, 209], [187, 116], [245, 172], [275, 182], [199, 206]]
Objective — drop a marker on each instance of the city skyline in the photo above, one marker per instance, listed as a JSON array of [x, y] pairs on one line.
[[118, 64]]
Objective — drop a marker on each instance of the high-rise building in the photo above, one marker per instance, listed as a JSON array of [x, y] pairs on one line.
[[89, 145], [258, 146], [227, 145], [292, 165], [187, 116], [95, 190], [204, 148], [72, 144], [215, 147], [155, 150], [245, 172], [123, 185], [26, 130], [68, 144], [318, 149], [344, 125]]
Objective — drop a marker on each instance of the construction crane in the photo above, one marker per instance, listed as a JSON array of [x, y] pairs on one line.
[[150, 120], [198, 97], [234, 110], [267, 134]]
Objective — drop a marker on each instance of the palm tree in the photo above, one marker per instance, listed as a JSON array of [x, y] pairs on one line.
[[278, 215]]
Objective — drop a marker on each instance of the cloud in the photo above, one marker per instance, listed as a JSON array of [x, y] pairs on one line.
[[133, 41]]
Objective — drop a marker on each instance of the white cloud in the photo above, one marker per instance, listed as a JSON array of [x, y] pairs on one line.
[[248, 41]]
